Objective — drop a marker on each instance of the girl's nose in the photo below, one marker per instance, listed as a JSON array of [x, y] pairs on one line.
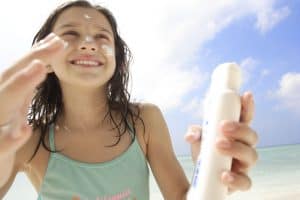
[[88, 44]]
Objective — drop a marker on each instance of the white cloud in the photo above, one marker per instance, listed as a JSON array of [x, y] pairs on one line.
[[194, 106], [169, 86], [164, 36], [252, 74], [289, 91], [269, 17], [248, 66]]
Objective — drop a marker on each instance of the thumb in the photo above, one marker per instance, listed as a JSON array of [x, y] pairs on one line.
[[14, 90], [193, 134]]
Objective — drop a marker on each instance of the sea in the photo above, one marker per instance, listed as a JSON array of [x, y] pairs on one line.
[[276, 176]]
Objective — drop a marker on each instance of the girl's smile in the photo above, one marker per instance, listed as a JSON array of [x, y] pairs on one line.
[[86, 60]]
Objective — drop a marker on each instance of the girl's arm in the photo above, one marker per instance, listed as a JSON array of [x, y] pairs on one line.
[[241, 140], [17, 85], [11, 177], [166, 169]]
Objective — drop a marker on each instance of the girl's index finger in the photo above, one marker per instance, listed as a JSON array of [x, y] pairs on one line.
[[247, 111], [43, 51], [43, 41]]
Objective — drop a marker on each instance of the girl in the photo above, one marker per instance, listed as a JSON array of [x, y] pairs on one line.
[[85, 139]]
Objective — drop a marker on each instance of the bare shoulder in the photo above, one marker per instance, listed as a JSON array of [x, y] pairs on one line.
[[152, 118], [161, 156], [149, 108], [149, 111]]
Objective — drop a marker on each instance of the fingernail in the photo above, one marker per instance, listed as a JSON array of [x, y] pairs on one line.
[[49, 36], [56, 39], [228, 126], [46, 39]]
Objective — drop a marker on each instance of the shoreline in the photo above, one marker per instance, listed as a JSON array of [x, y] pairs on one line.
[[264, 148]]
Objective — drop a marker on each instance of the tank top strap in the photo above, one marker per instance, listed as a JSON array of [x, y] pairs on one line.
[[51, 137], [131, 130]]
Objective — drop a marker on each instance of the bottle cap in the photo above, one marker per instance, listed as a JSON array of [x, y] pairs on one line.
[[227, 75]]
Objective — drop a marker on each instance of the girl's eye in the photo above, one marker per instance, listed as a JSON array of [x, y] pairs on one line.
[[101, 36], [73, 33]]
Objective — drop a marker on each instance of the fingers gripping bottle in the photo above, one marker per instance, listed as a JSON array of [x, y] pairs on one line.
[[222, 102]]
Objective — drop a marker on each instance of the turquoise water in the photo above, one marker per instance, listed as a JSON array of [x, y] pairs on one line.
[[275, 177]]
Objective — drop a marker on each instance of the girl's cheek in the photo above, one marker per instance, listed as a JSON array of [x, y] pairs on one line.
[[107, 50]]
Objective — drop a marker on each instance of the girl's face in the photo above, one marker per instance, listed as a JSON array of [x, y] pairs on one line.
[[89, 59]]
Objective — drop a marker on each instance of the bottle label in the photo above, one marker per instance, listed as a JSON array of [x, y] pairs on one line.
[[198, 164], [196, 173]]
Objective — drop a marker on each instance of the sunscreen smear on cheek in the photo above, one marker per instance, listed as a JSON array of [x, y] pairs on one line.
[[108, 50]]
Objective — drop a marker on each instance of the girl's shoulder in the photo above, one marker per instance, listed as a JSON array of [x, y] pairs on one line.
[[146, 109], [152, 119]]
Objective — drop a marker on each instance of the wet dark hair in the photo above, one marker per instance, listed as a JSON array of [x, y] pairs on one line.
[[47, 103]]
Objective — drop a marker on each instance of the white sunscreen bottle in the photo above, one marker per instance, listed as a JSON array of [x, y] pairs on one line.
[[222, 102]]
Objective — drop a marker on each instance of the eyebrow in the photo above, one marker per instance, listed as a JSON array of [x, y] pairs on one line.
[[72, 25]]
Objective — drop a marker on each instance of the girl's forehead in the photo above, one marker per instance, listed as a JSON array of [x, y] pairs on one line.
[[82, 16]]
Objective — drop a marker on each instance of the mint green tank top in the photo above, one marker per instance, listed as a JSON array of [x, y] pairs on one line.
[[123, 178]]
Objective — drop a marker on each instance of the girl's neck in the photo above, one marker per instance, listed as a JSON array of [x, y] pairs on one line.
[[83, 110]]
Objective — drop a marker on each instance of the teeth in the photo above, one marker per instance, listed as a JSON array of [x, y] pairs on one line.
[[85, 62]]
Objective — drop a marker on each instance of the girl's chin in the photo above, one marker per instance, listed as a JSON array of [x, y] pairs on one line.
[[88, 85]]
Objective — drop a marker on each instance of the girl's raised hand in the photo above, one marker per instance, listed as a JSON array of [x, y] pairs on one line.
[[17, 85]]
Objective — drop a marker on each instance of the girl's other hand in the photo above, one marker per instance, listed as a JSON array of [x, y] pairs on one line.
[[239, 144]]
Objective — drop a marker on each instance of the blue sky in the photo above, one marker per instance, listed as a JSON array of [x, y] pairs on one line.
[[273, 53]]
